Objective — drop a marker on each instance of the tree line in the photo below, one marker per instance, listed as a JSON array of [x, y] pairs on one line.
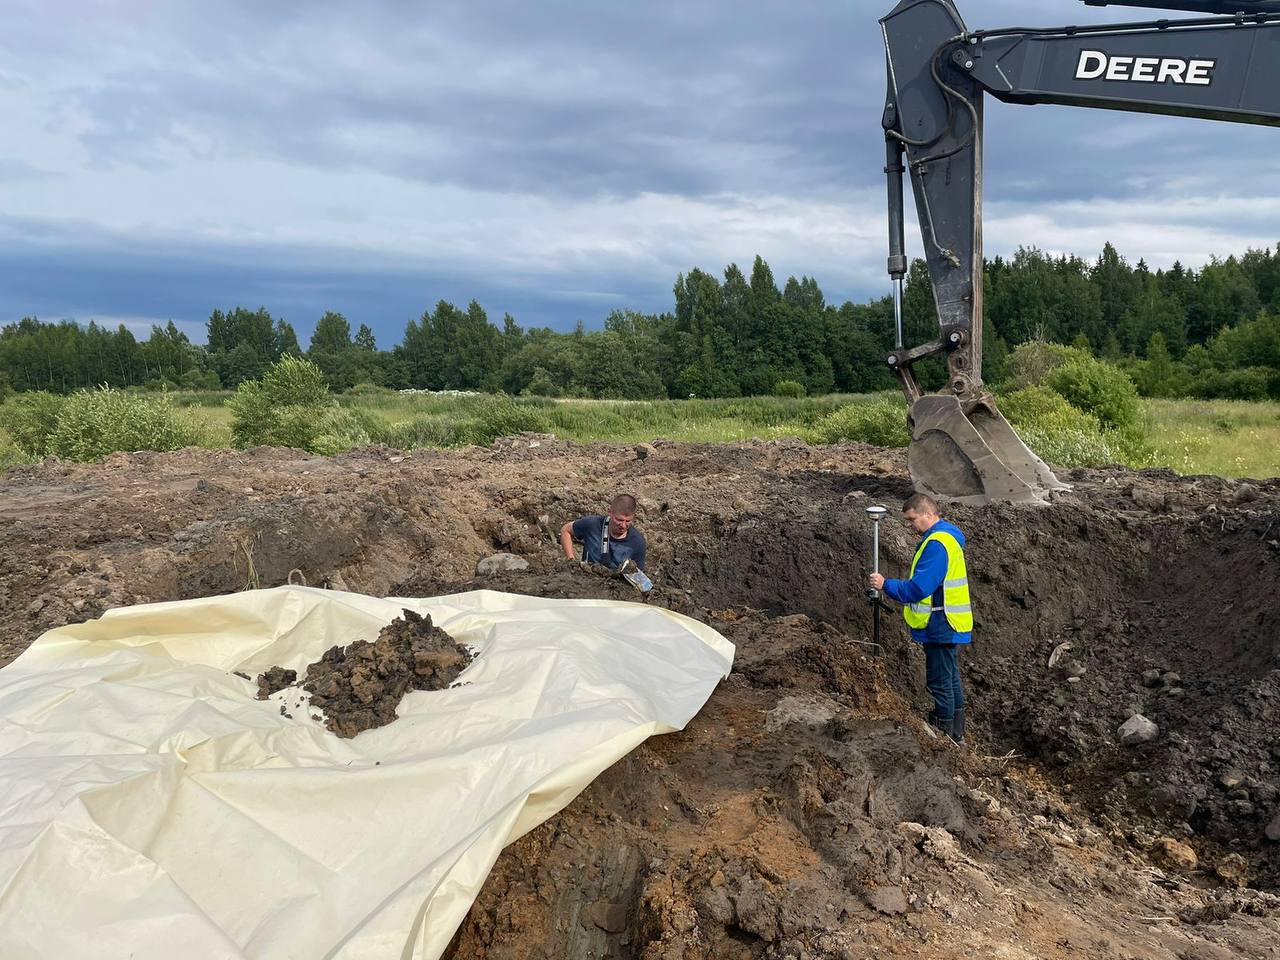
[[1208, 332]]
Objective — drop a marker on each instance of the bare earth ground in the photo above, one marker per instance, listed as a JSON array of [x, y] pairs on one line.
[[806, 812]]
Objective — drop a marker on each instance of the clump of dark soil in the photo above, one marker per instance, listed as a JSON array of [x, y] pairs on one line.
[[275, 680], [359, 686]]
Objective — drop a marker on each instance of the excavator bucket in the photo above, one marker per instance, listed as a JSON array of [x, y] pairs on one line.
[[973, 459]]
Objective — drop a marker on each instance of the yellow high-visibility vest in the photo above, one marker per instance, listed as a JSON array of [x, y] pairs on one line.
[[955, 589]]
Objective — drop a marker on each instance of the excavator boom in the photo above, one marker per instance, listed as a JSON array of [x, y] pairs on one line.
[[1220, 67]]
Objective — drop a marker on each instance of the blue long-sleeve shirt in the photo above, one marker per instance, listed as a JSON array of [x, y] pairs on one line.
[[931, 571]]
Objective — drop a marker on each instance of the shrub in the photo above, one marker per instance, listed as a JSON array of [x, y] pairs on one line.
[[542, 384], [880, 422], [424, 431], [788, 388], [291, 407], [1042, 409], [1099, 388], [1032, 363], [94, 423], [1057, 432], [339, 430], [1247, 383], [30, 419], [10, 453], [1071, 448], [1066, 436], [500, 416], [200, 380]]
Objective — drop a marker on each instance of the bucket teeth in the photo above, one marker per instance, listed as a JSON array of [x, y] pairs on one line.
[[973, 458]]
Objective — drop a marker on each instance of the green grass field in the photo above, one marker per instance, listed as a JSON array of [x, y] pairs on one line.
[[1224, 437], [1229, 438]]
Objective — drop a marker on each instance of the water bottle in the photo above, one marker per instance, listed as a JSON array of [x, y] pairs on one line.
[[636, 577]]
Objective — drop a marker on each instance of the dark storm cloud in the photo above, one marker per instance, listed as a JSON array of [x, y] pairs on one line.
[[553, 105], [575, 98], [582, 99], [72, 274]]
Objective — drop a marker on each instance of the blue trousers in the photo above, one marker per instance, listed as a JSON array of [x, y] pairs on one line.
[[942, 677]]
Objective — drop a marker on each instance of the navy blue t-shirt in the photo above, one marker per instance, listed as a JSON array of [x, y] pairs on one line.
[[590, 530]]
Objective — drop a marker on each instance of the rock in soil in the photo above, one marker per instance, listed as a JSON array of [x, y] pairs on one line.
[[359, 686], [1137, 729], [1232, 870], [1174, 853], [501, 563]]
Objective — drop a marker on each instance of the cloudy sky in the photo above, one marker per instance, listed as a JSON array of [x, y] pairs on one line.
[[556, 160]]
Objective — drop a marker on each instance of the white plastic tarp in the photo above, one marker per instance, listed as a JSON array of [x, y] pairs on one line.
[[151, 807]]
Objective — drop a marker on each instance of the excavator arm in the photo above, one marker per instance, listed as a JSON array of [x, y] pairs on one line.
[[1220, 67]]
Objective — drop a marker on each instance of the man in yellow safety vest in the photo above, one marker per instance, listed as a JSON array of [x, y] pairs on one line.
[[937, 608]]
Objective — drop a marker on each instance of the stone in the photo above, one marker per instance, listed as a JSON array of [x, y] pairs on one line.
[[935, 841], [1232, 870], [1231, 779], [644, 450], [1151, 678], [1245, 493], [501, 563], [1273, 829], [1137, 729], [609, 917], [1174, 853], [716, 904], [887, 900]]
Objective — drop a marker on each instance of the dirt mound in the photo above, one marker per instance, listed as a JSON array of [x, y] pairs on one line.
[[805, 812], [359, 686]]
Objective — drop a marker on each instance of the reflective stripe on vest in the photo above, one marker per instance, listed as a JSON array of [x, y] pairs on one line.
[[955, 589]]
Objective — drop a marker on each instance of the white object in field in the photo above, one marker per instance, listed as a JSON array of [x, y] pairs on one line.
[[150, 807]]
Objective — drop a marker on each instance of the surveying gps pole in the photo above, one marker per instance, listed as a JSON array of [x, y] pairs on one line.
[[873, 595]]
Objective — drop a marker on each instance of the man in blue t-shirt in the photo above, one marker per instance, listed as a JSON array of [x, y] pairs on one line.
[[608, 541]]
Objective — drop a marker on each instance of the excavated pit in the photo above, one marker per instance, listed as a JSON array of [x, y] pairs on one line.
[[805, 812]]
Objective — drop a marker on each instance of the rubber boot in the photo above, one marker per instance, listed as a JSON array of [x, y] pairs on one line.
[[957, 727], [942, 726]]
